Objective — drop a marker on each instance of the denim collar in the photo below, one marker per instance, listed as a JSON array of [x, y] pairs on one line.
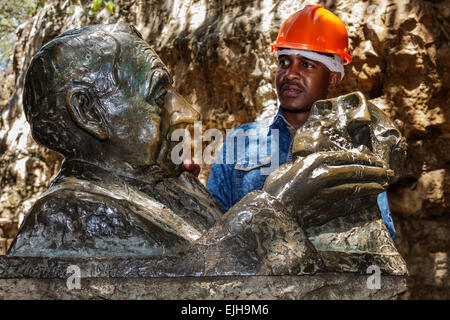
[[281, 122]]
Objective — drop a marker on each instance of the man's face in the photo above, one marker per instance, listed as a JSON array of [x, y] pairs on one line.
[[147, 109], [300, 82]]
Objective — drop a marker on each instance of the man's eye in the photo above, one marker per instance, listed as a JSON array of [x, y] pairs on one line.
[[284, 62], [307, 65]]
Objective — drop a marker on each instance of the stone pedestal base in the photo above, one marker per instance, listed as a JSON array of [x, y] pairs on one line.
[[320, 286], [153, 278]]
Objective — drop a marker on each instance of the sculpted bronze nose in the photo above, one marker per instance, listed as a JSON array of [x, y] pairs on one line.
[[358, 119], [179, 110]]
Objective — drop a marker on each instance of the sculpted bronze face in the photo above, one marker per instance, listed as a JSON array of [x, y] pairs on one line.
[[351, 124], [106, 87]]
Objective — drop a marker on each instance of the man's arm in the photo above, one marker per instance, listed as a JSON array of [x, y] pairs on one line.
[[383, 205], [220, 179]]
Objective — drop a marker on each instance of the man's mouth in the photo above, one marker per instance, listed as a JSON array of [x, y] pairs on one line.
[[291, 90]]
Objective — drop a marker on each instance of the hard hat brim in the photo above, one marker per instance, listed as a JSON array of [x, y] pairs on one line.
[[346, 58]]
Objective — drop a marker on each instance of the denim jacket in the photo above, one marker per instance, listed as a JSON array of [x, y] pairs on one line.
[[259, 148]]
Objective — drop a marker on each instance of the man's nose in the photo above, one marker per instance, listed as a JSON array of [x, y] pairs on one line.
[[294, 72], [358, 119], [179, 110]]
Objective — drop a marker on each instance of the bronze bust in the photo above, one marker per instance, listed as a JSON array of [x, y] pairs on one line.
[[102, 97]]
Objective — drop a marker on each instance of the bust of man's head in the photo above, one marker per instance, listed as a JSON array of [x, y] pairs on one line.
[[350, 123], [100, 94]]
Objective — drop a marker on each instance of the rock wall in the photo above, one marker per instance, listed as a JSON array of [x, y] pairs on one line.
[[218, 52]]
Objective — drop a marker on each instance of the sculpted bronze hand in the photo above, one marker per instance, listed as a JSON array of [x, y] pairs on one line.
[[344, 156], [313, 185]]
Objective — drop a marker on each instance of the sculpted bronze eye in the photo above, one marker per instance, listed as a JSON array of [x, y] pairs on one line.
[[159, 85], [159, 98]]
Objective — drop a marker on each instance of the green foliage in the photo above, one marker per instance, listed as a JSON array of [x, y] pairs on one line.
[[15, 12], [12, 14], [110, 6], [98, 4]]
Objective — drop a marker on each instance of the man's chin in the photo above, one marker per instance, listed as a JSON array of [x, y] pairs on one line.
[[296, 109]]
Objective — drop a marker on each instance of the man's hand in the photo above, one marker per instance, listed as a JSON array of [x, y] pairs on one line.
[[324, 185]]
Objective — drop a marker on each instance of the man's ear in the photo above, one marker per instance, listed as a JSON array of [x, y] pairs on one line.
[[83, 111], [335, 77]]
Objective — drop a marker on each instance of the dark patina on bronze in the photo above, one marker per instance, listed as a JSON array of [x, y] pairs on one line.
[[102, 97]]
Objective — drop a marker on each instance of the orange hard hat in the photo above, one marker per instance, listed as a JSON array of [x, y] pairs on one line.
[[316, 29]]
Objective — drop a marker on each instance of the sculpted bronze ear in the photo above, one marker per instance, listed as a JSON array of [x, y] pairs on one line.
[[83, 110]]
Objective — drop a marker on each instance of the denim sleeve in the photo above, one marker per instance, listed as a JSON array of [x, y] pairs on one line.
[[220, 181], [386, 214]]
